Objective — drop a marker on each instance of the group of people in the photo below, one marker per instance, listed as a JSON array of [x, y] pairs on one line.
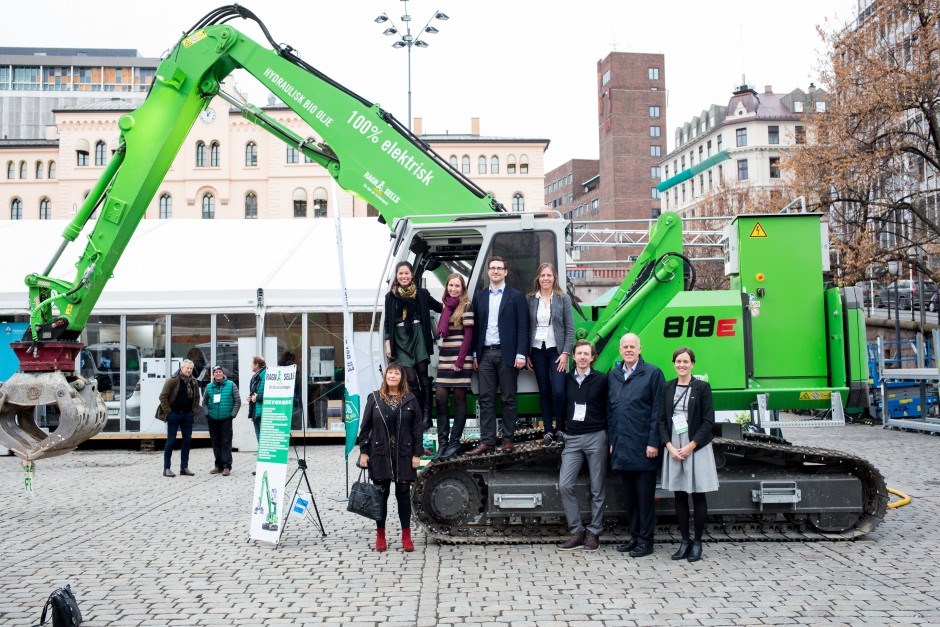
[[618, 420], [181, 401]]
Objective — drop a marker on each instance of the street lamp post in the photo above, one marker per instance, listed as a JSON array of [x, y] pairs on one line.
[[407, 40]]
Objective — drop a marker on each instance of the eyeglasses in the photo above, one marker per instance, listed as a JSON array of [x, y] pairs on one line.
[[498, 269]]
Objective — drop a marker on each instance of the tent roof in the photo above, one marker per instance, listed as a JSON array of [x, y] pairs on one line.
[[211, 265]]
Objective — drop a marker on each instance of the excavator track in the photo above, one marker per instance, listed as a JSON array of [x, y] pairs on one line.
[[452, 501]]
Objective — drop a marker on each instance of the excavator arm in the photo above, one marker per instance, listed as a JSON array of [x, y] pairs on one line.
[[366, 150]]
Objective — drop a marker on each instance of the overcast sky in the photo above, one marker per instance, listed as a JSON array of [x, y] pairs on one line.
[[526, 68]]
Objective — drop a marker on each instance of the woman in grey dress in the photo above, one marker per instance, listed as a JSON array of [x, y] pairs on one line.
[[686, 419]]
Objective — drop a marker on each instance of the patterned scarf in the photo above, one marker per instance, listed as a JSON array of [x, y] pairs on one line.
[[406, 299]]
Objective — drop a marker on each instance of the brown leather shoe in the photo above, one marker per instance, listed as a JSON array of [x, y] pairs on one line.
[[508, 446], [591, 542], [168, 473], [576, 541], [215, 471], [187, 472], [226, 472], [483, 448]]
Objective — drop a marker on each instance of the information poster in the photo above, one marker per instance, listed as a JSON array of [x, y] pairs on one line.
[[271, 472]]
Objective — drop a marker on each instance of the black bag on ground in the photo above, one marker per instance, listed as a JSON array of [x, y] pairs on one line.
[[65, 612], [364, 498]]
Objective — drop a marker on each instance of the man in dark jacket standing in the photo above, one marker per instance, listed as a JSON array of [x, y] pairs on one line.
[[500, 344], [256, 392], [179, 402], [585, 434], [634, 388], [222, 404]]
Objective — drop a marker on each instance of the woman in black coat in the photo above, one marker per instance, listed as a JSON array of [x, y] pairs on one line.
[[390, 442], [408, 339], [686, 419]]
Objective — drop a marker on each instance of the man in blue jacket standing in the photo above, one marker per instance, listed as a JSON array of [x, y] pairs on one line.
[[500, 344], [634, 388]]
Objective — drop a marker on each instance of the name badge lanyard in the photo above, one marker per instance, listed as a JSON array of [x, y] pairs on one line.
[[678, 402]]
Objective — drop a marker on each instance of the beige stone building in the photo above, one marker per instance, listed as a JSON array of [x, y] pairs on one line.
[[229, 168]]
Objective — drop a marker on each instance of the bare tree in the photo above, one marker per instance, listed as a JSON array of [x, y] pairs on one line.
[[872, 158]]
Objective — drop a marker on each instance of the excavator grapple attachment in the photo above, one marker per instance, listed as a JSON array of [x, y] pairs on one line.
[[82, 413]]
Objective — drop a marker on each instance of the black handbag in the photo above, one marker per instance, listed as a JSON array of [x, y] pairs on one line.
[[65, 612], [364, 498]]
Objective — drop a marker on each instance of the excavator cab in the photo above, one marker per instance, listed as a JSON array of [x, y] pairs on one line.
[[463, 245]]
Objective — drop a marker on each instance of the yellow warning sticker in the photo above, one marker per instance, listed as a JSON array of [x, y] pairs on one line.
[[195, 38], [68, 309], [815, 396], [758, 231]]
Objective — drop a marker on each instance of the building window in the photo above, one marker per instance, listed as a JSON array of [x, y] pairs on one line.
[[481, 165], [655, 172], [22, 169], [742, 169], [494, 165], [719, 143], [709, 147], [682, 162], [319, 203], [654, 193], [453, 161], [208, 207], [710, 185], [518, 202], [251, 154], [214, 150], [775, 167], [655, 131], [741, 136], [465, 164], [52, 169], [300, 203], [251, 206], [605, 77], [511, 164], [800, 134], [692, 182], [653, 73], [656, 151], [293, 155], [166, 207], [683, 193], [40, 170], [820, 106], [200, 154], [45, 209], [654, 111], [101, 153], [595, 206], [11, 170], [16, 209], [798, 106], [721, 176], [308, 158], [773, 134], [700, 150], [523, 164]]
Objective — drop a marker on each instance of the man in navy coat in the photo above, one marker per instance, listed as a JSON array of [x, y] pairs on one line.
[[634, 387], [500, 340]]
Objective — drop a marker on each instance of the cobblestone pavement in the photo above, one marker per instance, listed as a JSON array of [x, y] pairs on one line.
[[140, 549]]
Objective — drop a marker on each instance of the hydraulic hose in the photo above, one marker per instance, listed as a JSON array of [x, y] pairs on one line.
[[905, 499]]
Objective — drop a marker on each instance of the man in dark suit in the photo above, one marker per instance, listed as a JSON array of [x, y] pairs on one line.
[[499, 348], [633, 397]]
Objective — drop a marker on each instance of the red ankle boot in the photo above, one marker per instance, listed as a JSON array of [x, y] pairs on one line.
[[406, 542], [380, 544]]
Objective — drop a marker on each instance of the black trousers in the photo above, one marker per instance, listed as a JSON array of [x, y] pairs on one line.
[[402, 496], [494, 374], [639, 493], [220, 432]]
